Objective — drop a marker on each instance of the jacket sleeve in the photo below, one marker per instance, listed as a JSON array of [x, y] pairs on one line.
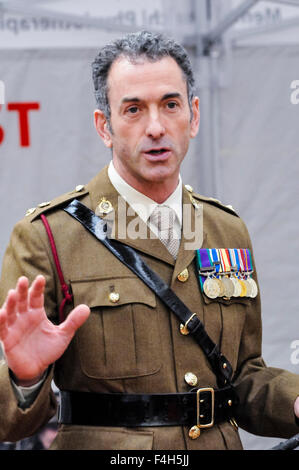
[[26, 255], [266, 394], [17, 423]]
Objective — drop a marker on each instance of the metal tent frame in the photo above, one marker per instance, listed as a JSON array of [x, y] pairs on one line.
[[210, 43]]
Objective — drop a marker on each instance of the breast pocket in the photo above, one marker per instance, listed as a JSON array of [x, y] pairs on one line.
[[121, 338], [230, 315]]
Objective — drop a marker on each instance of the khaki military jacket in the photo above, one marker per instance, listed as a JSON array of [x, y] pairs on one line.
[[134, 344]]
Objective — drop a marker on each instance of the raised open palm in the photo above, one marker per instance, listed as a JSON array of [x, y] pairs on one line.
[[30, 340]]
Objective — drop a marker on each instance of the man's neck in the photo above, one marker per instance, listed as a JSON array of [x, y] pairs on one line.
[[157, 191], [144, 205]]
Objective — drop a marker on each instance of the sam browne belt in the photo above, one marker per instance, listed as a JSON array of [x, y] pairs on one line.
[[202, 407]]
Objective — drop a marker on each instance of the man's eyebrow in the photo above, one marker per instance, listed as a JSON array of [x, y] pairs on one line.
[[128, 99], [135, 99], [171, 95]]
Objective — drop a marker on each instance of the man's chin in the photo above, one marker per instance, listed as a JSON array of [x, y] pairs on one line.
[[158, 177], [159, 173]]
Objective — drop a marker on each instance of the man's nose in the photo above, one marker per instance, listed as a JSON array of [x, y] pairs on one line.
[[155, 128]]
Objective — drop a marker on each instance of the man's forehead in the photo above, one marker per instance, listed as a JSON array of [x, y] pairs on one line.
[[127, 74], [134, 62]]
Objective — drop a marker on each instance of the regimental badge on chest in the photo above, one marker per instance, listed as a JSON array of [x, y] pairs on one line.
[[226, 272]]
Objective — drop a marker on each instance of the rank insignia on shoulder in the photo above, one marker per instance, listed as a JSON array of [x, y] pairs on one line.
[[226, 272]]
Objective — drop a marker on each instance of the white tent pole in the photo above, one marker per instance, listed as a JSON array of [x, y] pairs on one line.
[[233, 16], [207, 147], [207, 64]]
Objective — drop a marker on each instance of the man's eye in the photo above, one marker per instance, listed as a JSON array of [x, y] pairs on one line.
[[172, 105], [132, 110]]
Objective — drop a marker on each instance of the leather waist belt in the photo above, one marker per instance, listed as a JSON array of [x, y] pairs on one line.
[[202, 407]]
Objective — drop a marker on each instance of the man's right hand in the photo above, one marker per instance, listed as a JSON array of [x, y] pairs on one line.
[[30, 340]]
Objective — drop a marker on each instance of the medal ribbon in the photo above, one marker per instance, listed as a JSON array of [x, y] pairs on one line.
[[216, 261], [204, 260], [241, 264], [237, 261], [221, 260], [232, 258], [244, 260], [225, 260], [248, 256]]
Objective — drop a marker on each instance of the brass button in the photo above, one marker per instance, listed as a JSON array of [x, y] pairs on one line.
[[189, 188], [183, 276], [191, 379], [114, 297], [30, 211], [44, 204], [229, 403], [78, 189], [194, 432]]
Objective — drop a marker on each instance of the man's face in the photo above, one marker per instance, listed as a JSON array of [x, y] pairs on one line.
[[150, 120]]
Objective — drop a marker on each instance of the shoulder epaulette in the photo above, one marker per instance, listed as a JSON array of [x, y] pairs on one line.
[[211, 200], [34, 212]]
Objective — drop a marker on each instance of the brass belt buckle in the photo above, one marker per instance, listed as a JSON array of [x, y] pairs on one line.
[[184, 328], [194, 432]]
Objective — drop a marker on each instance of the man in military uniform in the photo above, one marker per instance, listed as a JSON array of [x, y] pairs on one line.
[[130, 374]]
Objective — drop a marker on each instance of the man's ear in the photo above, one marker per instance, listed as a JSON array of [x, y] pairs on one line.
[[195, 118], [102, 127]]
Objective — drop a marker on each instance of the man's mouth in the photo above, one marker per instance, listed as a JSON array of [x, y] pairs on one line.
[[157, 152]]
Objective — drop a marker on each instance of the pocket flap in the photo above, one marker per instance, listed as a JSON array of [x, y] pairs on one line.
[[112, 292]]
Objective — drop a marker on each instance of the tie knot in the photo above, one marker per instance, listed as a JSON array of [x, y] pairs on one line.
[[163, 217]]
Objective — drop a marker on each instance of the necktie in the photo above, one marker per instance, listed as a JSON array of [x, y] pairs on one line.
[[163, 218]]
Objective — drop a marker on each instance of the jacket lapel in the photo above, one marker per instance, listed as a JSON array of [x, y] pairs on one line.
[[193, 234]]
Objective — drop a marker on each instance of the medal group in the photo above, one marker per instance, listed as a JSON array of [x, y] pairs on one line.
[[226, 272]]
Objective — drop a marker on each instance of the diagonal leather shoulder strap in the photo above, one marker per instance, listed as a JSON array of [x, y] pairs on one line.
[[127, 255]]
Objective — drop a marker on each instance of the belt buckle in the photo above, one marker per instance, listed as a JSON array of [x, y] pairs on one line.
[[184, 328], [194, 432]]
